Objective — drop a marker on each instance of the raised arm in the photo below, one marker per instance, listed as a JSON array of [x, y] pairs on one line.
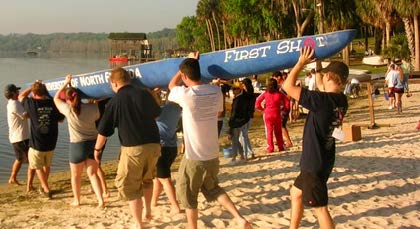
[[289, 85], [24, 94], [175, 81], [57, 99]]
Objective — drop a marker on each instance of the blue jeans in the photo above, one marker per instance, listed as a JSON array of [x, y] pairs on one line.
[[236, 145], [244, 140]]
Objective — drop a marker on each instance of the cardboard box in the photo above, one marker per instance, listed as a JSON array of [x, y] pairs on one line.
[[352, 132]]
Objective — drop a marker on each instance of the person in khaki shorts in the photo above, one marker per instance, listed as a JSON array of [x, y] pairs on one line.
[[44, 118], [199, 167], [133, 111]]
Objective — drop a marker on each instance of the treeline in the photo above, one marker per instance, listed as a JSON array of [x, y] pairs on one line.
[[79, 42], [222, 24]]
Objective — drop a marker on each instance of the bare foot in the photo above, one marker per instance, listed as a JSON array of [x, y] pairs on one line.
[[176, 211], [74, 204], [106, 194], [30, 189], [147, 218], [243, 223], [101, 205], [15, 182]]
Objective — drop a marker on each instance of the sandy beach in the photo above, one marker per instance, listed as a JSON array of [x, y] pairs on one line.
[[375, 183]]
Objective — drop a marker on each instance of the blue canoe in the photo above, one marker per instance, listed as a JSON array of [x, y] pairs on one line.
[[227, 64]]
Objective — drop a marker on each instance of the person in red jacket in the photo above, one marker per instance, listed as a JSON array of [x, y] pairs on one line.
[[272, 114]]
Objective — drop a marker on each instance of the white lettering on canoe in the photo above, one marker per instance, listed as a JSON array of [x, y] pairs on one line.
[[288, 46], [91, 80], [138, 74], [51, 86], [321, 41], [245, 54]]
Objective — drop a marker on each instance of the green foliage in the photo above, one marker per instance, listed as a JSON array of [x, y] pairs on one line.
[[398, 48], [192, 35]]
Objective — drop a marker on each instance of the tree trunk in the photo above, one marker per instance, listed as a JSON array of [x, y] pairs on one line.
[[346, 55], [366, 38], [224, 34], [417, 42], [217, 30], [410, 38], [378, 40], [209, 34], [387, 34]]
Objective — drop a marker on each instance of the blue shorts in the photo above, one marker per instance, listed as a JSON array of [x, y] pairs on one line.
[[81, 151]]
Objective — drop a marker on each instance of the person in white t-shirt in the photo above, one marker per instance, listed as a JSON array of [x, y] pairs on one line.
[[17, 120], [199, 167], [312, 81]]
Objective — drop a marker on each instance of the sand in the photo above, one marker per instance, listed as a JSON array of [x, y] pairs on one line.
[[374, 183]]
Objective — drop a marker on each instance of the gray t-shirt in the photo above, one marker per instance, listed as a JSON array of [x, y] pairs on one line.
[[81, 127]]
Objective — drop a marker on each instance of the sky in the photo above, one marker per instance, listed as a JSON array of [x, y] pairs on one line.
[[97, 16]]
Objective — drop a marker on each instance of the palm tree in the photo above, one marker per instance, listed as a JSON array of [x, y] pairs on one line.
[[409, 10]]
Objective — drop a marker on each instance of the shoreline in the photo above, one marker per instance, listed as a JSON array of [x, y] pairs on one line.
[[374, 183]]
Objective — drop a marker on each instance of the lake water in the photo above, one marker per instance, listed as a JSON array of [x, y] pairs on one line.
[[22, 70]]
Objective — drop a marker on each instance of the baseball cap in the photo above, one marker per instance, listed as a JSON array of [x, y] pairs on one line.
[[236, 85], [338, 68], [10, 88]]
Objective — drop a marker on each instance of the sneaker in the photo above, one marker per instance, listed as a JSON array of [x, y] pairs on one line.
[[390, 107]]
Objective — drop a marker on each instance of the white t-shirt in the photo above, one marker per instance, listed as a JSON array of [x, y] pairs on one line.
[[82, 127], [18, 124], [200, 105], [391, 78], [312, 83]]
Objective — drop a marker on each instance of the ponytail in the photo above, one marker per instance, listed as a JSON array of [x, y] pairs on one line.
[[73, 97]]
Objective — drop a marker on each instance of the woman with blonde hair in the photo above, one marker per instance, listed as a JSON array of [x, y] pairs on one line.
[[82, 130]]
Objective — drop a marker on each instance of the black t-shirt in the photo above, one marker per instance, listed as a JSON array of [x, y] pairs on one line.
[[240, 111], [326, 111], [133, 111], [44, 117]]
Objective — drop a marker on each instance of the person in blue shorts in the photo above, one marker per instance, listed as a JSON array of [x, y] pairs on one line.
[[167, 124]]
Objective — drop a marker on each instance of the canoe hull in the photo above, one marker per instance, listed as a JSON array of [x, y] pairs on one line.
[[227, 64]]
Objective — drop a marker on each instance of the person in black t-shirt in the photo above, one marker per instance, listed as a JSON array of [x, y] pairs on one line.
[[44, 118], [133, 111], [327, 108]]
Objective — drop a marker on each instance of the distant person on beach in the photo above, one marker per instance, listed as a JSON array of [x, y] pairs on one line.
[[200, 165], [390, 82], [399, 89], [286, 112], [273, 101], [17, 120], [248, 91], [406, 68], [239, 117], [167, 124], [133, 111], [81, 119], [44, 117], [327, 108], [255, 83]]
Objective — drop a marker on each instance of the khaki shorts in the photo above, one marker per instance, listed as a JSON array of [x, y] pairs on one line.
[[39, 159], [136, 170], [196, 175]]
